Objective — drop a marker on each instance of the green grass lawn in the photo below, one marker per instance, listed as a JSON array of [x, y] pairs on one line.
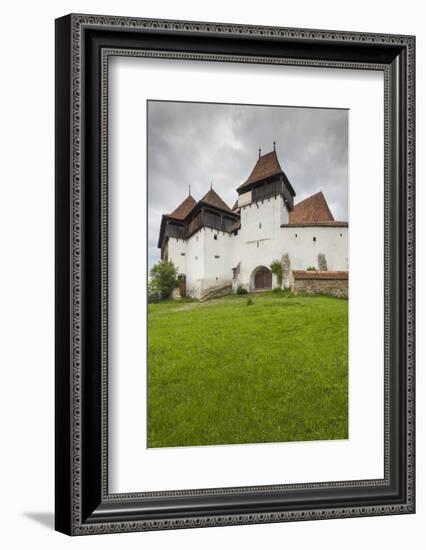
[[226, 372]]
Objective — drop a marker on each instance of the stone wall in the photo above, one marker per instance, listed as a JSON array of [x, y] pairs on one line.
[[216, 292], [332, 283]]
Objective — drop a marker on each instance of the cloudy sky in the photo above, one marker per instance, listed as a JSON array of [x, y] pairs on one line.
[[198, 143]]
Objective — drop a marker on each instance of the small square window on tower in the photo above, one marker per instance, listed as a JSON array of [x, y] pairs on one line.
[[260, 225], [215, 236], [314, 239]]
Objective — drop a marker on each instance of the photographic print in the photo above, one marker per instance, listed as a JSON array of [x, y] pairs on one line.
[[248, 272], [202, 335]]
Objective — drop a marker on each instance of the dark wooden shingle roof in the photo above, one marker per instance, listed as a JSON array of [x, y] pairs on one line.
[[265, 167], [183, 209], [212, 198], [313, 209]]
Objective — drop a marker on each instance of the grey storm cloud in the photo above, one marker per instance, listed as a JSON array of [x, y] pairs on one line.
[[198, 144]]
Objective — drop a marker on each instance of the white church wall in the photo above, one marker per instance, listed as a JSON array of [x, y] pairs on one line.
[[262, 219], [218, 258], [208, 261], [235, 259], [303, 250], [305, 243], [260, 236], [259, 253], [195, 264], [177, 249]]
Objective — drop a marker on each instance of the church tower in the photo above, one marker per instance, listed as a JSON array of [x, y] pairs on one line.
[[267, 179], [265, 199]]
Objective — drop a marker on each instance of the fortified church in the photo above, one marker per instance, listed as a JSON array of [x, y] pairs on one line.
[[216, 249]]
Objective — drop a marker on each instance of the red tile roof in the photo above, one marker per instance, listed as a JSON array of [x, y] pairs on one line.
[[213, 199], [183, 209], [316, 224], [265, 167], [299, 274], [314, 209]]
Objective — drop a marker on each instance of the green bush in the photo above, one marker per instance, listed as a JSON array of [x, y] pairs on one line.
[[250, 302], [241, 290], [154, 295], [311, 268], [277, 269], [164, 278]]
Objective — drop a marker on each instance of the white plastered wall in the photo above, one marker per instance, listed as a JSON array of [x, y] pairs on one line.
[[260, 238], [177, 250], [260, 241], [195, 264], [303, 244], [218, 258]]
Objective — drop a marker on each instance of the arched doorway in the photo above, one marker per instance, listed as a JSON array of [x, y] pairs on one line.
[[262, 278]]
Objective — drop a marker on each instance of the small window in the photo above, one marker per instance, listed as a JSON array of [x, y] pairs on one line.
[[260, 225], [182, 253], [314, 239], [216, 256], [215, 236], [257, 244], [295, 235], [341, 235], [196, 257]]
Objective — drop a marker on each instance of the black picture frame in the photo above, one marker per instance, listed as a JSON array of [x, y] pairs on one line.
[[83, 44]]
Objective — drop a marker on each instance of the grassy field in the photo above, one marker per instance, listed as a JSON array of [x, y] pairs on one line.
[[226, 372]]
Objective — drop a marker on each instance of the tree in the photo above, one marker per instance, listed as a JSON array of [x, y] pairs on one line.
[[164, 278]]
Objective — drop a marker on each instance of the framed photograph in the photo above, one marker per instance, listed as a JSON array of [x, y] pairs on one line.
[[234, 274]]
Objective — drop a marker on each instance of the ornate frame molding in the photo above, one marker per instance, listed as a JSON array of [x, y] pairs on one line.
[[73, 504]]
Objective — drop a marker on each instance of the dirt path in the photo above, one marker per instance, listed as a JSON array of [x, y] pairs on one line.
[[199, 304]]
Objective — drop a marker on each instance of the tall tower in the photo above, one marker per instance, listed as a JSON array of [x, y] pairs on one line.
[[266, 197], [267, 179]]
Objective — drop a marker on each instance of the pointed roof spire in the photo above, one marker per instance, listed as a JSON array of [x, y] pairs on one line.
[[189, 190], [183, 209], [260, 151], [274, 146], [211, 185], [266, 166], [213, 199]]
